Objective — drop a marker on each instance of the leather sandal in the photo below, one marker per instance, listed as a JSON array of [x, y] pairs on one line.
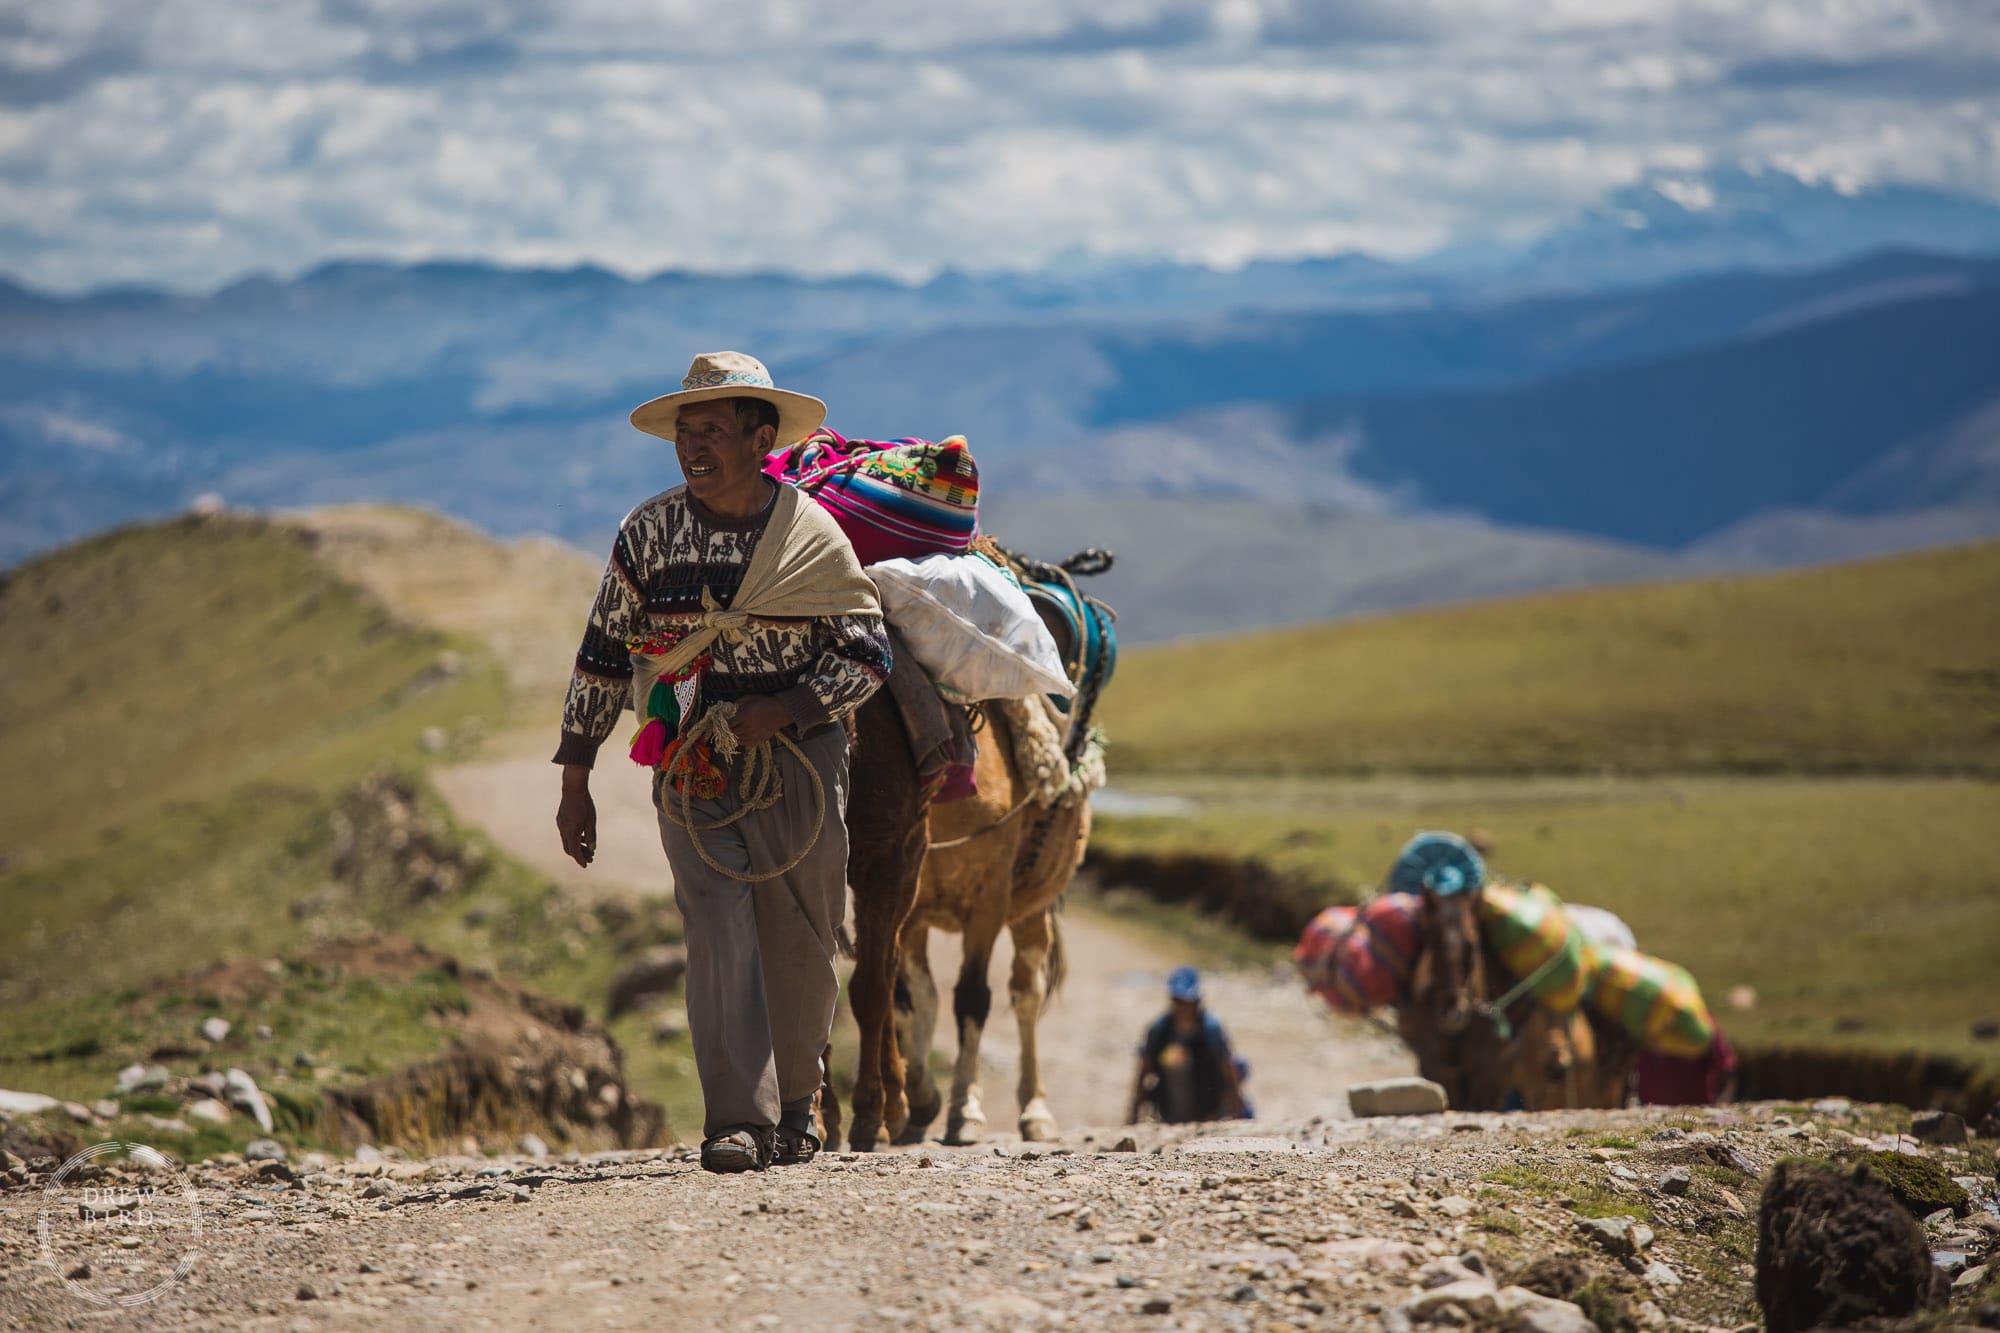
[[738, 1148], [795, 1147]]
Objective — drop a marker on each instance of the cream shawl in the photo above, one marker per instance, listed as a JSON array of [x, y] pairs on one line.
[[803, 566]]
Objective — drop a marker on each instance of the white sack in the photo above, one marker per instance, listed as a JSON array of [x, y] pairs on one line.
[[971, 627], [1601, 928]]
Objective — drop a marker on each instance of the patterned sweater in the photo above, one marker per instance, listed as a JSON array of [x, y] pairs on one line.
[[667, 551]]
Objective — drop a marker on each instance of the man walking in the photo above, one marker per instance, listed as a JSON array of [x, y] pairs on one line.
[[1186, 1069], [735, 619]]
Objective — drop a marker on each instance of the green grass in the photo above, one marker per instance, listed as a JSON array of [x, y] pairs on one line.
[[187, 707], [1841, 902], [1891, 665]]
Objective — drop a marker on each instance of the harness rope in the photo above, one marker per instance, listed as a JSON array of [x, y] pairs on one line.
[[759, 788]]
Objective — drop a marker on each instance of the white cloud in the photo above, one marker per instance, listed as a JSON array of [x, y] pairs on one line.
[[206, 137]]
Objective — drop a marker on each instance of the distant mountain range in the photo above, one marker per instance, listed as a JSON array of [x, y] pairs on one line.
[[1712, 372]]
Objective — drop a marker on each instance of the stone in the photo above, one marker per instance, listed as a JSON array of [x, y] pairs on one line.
[[78, 1112], [140, 1078], [1396, 1096], [163, 1125], [212, 1083], [1443, 1272], [1731, 1204], [1453, 1205], [1126, 1144], [1157, 1305], [241, 1092], [379, 1189], [1612, 1234], [1476, 1296], [433, 739], [532, 1146], [1642, 1237], [263, 1150], [1937, 1127], [1660, 1275], [210, 1110], [25, 1103], [307, 1292], [1531, 1312], [1675, 1181], [1245, 1294], [1833, 1108], [104, 1108], [368, 1154], [1969, 1279], [214, 1029]]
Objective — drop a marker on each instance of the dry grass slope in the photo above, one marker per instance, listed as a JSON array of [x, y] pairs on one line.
[[1886, 666]]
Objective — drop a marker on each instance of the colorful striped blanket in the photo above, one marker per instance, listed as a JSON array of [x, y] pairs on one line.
[[894, 499]]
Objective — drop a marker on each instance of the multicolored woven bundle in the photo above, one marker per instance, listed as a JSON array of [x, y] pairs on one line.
[[903, 498], [1360, 958], [1527, 927], [1656, 1001]]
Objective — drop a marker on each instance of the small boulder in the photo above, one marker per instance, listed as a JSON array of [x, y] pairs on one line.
[[1938, 1127], [241, 1092], [1475, 1295], [104, 1108], [1455, 1206], [140, 1078], [532, 1146], [25, 1103], [1530, 1312], [1675, 1181], [1396, 1096], [263, 1150], [214, 1029], [1614, 1235], [209, 1109]]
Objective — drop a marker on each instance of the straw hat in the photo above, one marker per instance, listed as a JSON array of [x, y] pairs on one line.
[[732, 375]]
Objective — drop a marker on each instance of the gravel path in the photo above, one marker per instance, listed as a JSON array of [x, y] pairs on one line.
[[1326, 1224]]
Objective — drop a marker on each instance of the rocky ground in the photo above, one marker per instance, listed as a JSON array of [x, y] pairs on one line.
[[1644, 1218]]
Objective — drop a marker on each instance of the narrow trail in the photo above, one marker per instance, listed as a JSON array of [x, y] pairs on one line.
[[1301, 1059]]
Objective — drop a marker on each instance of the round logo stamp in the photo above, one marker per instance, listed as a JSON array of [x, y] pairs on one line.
[[120, 1224]]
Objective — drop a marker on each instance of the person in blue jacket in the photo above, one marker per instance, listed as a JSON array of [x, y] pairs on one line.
[[1186, 1069]]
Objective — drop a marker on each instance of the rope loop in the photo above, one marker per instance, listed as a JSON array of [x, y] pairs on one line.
[[759, 787]]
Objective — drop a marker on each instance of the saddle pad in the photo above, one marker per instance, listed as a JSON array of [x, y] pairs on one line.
[[1528, 928], [895, 499]]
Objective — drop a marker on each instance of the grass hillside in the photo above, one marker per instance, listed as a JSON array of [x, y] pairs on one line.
[[213, 747], [176, 698], [1886, 666]]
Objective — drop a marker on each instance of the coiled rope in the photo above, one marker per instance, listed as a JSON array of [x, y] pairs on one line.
[[758, 789]]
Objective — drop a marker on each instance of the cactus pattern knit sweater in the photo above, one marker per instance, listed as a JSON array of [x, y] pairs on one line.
[[668, 550]]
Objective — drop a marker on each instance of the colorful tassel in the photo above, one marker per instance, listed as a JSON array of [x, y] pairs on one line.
[[649, 747]]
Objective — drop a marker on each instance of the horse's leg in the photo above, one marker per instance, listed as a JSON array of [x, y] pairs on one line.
[[887, 837], [916, 1023], [971, 1001], [1028, 988], [829, 1100]]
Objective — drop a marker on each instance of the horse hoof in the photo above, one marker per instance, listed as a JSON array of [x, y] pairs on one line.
[[912, 1133], [1039, 1129], [864, 1138], [922, 1114], [964, 1133]]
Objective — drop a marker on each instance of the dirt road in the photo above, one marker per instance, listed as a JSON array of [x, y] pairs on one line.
[[1300, 1058]]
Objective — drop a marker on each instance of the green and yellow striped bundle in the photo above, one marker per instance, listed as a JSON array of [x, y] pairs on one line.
[[1537, 944], [1656, 1001]]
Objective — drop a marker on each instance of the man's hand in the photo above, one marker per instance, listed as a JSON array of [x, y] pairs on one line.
[[758, 718], [576, 817]]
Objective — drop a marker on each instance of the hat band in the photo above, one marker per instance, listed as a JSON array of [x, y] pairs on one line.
[[715, 379]]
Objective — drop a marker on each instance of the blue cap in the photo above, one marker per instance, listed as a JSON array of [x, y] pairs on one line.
[[1184, 984], [1443, 863]]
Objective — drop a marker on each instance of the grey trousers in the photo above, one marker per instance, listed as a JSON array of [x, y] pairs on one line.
[[761, 984]]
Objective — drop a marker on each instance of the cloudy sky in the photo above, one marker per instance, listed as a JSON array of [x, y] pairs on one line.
[[189, 141]]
